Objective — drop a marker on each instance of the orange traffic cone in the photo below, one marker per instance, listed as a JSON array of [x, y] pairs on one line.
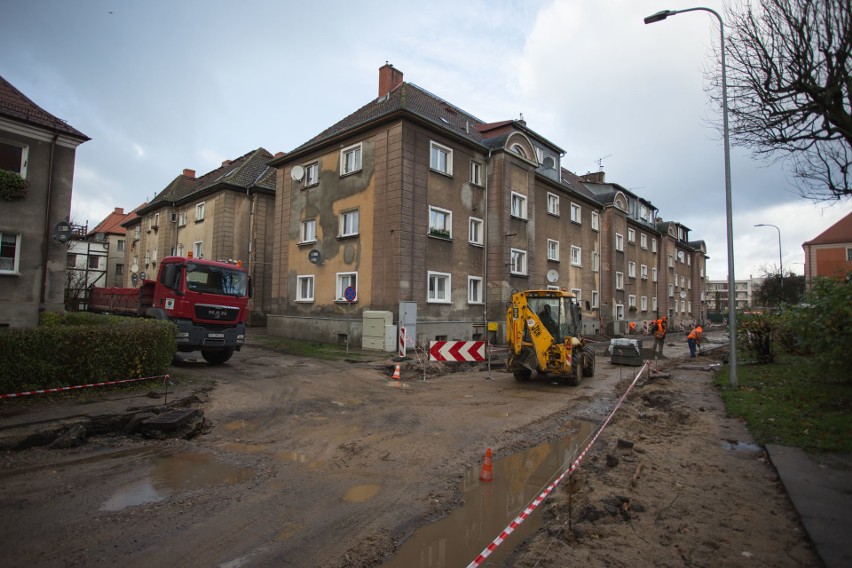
[[487, 472], [396, 373]]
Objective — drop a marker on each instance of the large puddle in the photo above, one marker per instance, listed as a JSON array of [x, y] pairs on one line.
[[489, 507], [172, 473]]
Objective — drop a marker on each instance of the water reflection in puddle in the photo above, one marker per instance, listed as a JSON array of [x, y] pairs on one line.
[[171, 474], [361, 493], [490, 507]]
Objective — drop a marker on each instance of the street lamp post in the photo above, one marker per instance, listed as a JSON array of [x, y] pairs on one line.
[[732, 304], [780, 257]]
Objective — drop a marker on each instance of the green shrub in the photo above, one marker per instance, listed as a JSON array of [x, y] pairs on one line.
[[53, 356], [823, 322], [754, 335]]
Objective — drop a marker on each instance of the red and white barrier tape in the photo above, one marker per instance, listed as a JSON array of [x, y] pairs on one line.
[[74, 387], [543, 495]]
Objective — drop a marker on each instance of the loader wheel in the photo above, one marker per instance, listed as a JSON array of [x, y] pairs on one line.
[[522, 375], [576, 371], [217, 356], [589, 368]]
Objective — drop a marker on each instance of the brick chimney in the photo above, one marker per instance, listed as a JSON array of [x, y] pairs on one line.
[[389, 79], [226, 163], [119, 210], [594, 177], [189, 173]]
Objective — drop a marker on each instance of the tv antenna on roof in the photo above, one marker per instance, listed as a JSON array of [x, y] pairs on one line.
[[600, 162]]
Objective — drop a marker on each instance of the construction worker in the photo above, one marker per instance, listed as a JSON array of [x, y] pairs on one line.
[[660, 328], [694, 340], [632, 327]]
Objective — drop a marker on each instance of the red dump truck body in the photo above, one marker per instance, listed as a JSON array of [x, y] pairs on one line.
[[207, 300]]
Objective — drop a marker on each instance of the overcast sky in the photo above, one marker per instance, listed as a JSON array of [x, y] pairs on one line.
[[163, 85]]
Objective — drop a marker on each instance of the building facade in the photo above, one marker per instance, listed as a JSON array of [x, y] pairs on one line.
[[39, 149], [829, 254]]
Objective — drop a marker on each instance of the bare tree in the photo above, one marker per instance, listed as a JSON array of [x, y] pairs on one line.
[[789, 82]]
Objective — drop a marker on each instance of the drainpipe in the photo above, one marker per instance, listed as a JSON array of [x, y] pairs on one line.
[[47, 237], [485, 265]]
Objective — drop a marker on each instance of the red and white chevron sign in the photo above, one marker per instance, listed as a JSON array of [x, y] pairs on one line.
[[457, 351]]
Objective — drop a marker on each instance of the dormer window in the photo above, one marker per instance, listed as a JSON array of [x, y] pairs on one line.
[[519, 150]]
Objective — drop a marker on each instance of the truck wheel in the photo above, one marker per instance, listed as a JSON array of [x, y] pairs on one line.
[[217, 356], [523, 375]]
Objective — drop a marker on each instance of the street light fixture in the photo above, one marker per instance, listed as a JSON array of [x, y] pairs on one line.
[[780, 257], [732, 305]]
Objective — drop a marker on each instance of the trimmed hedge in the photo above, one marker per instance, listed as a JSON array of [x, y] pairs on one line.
[[57, 354]]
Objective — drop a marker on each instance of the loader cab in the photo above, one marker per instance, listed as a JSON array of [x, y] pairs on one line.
[[558, 311]]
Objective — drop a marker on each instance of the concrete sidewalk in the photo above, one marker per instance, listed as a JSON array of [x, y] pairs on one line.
[[820, 488]]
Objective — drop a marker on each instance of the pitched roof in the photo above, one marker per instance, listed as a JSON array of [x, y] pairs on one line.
[[16, 106], [840, 232], [251, 170], [112, 224]]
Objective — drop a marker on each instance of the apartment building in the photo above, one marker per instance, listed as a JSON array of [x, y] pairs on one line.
[[225, 214], [717, 294]]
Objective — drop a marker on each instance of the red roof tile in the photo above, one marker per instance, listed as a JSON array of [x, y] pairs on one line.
[[840, 232]]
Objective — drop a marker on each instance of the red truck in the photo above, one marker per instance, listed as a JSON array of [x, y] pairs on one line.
[[207, 300]]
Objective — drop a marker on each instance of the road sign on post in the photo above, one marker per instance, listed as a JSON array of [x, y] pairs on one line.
[[457, 351]]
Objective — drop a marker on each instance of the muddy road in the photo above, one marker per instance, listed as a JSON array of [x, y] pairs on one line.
[[305, 463]]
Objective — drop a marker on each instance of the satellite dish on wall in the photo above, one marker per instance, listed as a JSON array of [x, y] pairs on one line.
[[552, 276], [297, 173]]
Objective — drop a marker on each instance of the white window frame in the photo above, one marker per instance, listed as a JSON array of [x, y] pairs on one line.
[[25, 152], [343, 280], [182, 218], [596, 261], [619, 242], [643, 271], [552, 250], [351, 159], [619, 312], [654, 274], [631, 301], [16, 253], [312, 174], [475, 173], [432, 292], [199, 212], [476, 231], [305, 295], [671, 290], [119, 245], [474, 290], [654, 304], [518, 205], [518, 262], [596, 221], [595, 298], [631, 269], [576, 256], [654, 246], [348, 228], [447, 226], [576, 214], [308, 231], [619, 281], [553, 204], [631, 236], [643, 241], [578, 294], [671, 261], [438, 151], [643, 303], [197, 250]]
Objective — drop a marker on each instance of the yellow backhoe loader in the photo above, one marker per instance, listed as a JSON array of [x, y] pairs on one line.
[[544, 333]]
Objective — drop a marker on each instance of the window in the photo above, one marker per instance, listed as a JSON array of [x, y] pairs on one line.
[[119, 269], [576, 216], [671, 261], [596, 221], [137, 232], [94, 262], [440, 223], [654, 304], [653, 275], [197, 250], [619, 242], [595, 299], [312, 174], [147, 258], [71, 260], [596, 261], [671, 291], [643, 272], [305, 288], [519, 150], [631, 236], [643, 303], [519, 206], [619, 312], [441, 159], [631, 301], [553, 204], [13, 158], [518, 262], [182, 219], [552, 250], [156, 220], [701, 270], [475, 231], [350, 159], [474, 290], [345, 280], [439, 288], [576, 256], [199, 212], [619, 280], [643, 241], [631, 269], [119, 245], [654, 246], [308, 233], [848, 257], [475, 173], [682, 281], [349, 223]]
